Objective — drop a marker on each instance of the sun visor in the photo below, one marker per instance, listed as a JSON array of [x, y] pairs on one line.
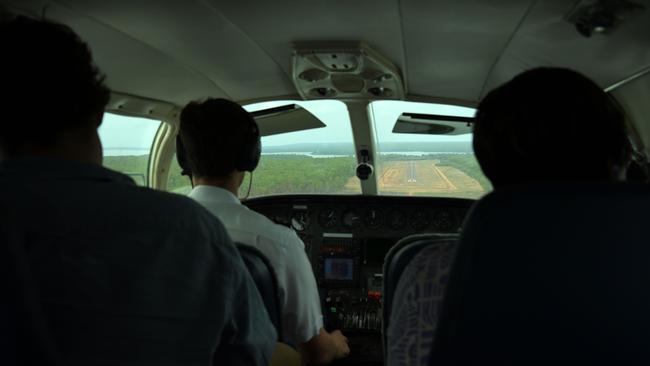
[[432, 124], [288, 118]]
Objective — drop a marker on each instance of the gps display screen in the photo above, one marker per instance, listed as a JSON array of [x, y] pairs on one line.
[[339, 269]]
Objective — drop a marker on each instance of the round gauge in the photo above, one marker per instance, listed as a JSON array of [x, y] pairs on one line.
[[419, 219], [300, 220], [396, 219], [373, 218], [351, 219], [327, 218], [444, 220]]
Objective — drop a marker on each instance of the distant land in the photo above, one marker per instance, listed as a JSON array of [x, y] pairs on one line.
[[125, 151]]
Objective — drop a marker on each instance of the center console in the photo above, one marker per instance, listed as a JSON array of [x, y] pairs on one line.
[[350, 287], [349, 277]]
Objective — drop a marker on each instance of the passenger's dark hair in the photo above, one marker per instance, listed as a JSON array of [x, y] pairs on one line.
[[550, 124], [49, 83], [216, 134]]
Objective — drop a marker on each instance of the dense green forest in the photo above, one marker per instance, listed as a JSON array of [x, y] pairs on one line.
[[279, 174], [303, 174], [134, 166]]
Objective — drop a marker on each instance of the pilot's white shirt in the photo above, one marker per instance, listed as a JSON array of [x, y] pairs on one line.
[[302, 317]]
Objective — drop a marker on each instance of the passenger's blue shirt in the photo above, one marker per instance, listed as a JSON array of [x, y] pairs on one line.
[[132, 276]]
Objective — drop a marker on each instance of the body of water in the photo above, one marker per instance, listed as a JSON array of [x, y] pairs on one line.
[[305, 153], [421, 153], [406, 153]]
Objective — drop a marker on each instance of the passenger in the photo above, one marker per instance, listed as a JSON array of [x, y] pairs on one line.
[[545, 125], [221, 141], [126, 275], [551, 124]]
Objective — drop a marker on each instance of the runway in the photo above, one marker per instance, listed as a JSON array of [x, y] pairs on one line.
[[425, 177]]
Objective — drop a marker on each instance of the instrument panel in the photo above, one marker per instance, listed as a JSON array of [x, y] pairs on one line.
[[391, 216], [346, 239], [397, 219]]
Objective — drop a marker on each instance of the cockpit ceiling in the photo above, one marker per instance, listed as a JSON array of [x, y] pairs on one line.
[[180, 50]]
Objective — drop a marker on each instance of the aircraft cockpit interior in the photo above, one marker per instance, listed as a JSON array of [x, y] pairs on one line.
[[366, 111]]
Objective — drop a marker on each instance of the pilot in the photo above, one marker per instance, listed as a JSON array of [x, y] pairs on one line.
[[124, 274], [220, 141], [545, 125]]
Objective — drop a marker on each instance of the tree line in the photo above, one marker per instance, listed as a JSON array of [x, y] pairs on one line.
[[278, 174]]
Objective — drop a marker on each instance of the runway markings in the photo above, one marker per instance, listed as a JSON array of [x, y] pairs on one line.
[[411, 177]]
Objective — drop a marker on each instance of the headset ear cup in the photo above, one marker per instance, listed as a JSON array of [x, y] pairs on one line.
[[257, 154], [250, 156], [251, 150], [181, 157]]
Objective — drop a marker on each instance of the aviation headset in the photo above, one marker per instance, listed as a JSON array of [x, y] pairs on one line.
[[247, 158]]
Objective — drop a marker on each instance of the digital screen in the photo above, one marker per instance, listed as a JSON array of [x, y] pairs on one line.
[[339, 269]]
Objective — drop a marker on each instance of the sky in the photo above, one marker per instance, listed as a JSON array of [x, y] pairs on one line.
[[122, 135]]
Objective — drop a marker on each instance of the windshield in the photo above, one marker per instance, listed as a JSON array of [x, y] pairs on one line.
[[306, 160], [318, 160], [423, 164]]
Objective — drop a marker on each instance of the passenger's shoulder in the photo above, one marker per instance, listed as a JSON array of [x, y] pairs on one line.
[[167, 199], [186, 212]]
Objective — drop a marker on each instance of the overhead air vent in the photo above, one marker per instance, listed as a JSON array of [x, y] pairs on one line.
[[344, 70]]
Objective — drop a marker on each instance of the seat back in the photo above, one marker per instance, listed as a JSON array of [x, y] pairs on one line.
[[9, 308], [24, 335], [638, 171], [547, 275], [396, 261], [264, 277]]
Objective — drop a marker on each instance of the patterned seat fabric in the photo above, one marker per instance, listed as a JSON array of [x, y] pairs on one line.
[[416, 305]]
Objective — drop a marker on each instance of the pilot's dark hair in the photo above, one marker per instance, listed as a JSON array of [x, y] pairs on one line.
[[218, 137], [49, 84], [550, 124]]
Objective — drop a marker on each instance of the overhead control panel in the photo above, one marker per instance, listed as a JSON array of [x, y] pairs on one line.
[[345, 70]]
